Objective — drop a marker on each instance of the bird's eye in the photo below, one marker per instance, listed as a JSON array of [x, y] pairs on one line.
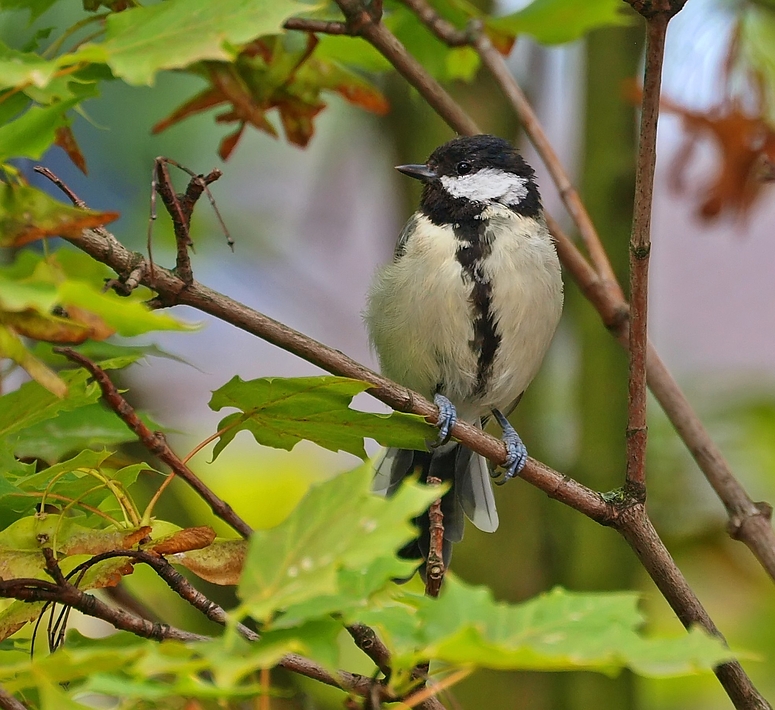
[[463, 168]]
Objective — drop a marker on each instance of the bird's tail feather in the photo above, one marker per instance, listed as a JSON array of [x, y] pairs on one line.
[[471, 491]]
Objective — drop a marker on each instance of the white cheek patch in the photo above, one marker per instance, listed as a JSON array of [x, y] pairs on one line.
[[487, 185]]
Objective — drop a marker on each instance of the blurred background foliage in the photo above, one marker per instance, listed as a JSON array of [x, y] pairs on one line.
[[312, 224]]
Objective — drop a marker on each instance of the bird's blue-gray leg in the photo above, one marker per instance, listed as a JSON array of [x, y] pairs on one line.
[[516, 452], [447, 417]]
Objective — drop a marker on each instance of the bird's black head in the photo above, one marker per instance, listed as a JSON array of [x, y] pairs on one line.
[[467, 174]]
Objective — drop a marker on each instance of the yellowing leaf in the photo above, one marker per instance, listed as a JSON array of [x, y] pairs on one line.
[[219, 563]]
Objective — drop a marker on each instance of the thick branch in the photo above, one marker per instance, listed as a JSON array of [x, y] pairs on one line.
[[173, 291], [640, 248], [155, 441], [636, 528]]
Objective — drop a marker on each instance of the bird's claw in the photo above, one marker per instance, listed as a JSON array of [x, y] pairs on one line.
[[447, 418], [516, 452]]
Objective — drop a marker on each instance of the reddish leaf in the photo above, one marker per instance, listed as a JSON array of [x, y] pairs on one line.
[[27, 214], [501, 40], [65, 139], [297, 120], [229, 143], [364, 95], [203, 101], [744, 143]]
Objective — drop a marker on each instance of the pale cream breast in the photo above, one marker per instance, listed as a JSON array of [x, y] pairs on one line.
[[423, 332]]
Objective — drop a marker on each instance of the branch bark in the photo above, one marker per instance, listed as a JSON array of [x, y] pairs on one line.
[[640, 248]]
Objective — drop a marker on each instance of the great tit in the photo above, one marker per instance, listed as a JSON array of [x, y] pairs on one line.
[[464, 315]]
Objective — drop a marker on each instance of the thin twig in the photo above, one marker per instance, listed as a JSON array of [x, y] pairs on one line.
[[434, 565], [329, 27], [361, 22], [155, 441], [181, 222], [640, 248], [367, 640], [174, 580]]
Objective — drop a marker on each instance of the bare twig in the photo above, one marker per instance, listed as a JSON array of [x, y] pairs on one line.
[[640, 248], [329, 27], [367, 640], [361, 22], [434, 565], [155, 441]]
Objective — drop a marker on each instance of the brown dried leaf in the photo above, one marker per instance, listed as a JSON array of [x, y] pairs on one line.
[[65, 139], [745, 143], [203, 101], [219, 563], [183, 541], [229, 143]]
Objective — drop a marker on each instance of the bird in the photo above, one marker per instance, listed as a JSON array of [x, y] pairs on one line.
[[464, 315]]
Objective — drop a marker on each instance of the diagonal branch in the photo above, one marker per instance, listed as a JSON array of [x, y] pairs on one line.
[[652, 552], [155, 441]]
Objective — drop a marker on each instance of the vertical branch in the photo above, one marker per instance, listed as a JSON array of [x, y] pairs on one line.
[[434, 566], [640, 248]]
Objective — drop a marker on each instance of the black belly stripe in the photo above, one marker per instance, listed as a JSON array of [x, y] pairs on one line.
[[473, 248]]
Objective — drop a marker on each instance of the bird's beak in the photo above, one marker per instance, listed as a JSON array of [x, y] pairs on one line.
[[420, 172]]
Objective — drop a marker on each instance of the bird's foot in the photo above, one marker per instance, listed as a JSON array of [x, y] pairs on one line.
[[516, 453], [447, 418]]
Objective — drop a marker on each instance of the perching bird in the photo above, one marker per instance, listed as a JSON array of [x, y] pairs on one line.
[[464, 315]]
